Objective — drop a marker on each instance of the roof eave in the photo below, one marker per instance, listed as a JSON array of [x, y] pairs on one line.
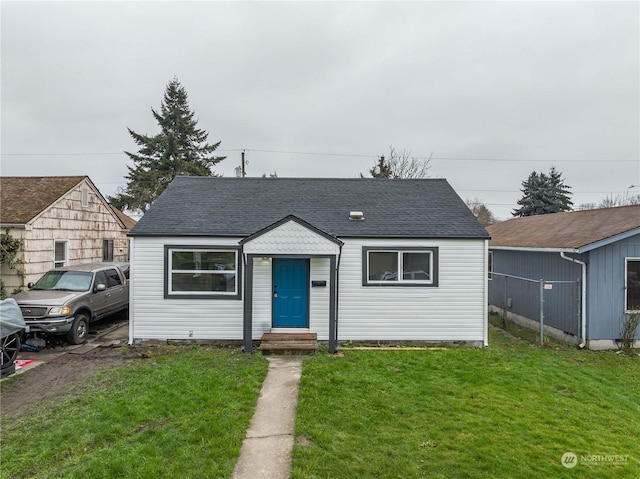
[[535, 249], [609, 240]]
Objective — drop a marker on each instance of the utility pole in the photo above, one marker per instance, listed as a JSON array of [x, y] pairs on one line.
[[244, 173]]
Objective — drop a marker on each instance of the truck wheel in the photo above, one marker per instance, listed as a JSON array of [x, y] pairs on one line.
[[10, 347], [80, 329]]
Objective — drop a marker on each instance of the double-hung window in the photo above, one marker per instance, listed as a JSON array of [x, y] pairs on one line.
[[400, 266], [60, 253], [202, 272], [632, 284]]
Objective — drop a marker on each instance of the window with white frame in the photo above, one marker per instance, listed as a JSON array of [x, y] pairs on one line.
[[202, 272], [400, 266], [632, 284], [85, 197], [60, 253]]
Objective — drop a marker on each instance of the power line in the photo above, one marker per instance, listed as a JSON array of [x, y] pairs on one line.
[[352, 155]]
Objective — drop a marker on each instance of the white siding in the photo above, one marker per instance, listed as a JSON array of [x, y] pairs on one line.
[[318, 297], [154, 317], [453, 311], [262, 293]]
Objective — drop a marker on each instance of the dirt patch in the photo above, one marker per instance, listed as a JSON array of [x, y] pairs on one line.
[[60, 376]]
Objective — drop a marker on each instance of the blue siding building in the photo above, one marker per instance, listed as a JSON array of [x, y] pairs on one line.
[[585, 263]]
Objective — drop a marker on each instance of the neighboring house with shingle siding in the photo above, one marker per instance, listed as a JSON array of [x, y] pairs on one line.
[[347, 259], [62, 220], [598, 249]]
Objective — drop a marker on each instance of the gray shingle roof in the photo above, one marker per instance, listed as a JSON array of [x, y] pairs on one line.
[[209, 206]]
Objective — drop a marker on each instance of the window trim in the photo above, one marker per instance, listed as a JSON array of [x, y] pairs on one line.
[[433, 250], [85, 197], [107, 242], [202, 295], [65, 261], [490, 265], [626, 278]]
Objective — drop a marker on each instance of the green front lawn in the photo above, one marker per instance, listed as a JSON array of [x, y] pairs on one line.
[[180, 412], [510, 411]]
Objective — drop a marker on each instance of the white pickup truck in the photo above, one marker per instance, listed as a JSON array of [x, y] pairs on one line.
[[65, 300]]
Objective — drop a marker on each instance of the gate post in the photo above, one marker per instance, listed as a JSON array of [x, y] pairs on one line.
[[541, 312]]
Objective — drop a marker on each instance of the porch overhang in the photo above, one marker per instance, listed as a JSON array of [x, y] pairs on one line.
[[290, 237]]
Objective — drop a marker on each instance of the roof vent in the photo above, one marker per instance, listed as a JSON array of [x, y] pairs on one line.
[[356, 215]]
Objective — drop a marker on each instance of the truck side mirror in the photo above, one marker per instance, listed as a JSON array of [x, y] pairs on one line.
[[30, 285], [99, 287]]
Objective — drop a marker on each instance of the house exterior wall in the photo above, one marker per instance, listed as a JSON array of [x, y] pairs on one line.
[[154, 317], [11, 279], [83, 228], [157, 317], [605, 288], [520, 297], [453, 311]]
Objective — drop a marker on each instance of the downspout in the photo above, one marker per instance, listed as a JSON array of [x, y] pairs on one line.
[[485, 333], [583, 307], [338, 292]]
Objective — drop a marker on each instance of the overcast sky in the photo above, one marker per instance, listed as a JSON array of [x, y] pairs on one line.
[[494, 90]]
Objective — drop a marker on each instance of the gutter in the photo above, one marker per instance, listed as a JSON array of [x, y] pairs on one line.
[[13, 226], [583, 318]]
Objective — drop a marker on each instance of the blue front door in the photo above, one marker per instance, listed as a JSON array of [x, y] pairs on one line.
[[290, 293]]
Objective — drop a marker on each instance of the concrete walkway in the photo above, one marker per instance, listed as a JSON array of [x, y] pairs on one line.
[[266, 450]]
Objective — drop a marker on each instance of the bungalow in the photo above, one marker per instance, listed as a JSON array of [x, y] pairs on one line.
[[598, 250], [61, 220], [355, 259]]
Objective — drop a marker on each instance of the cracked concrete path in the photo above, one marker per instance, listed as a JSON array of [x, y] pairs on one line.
[[266, 450]]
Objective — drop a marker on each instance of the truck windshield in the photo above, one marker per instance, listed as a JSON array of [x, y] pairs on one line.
[[64, 281]]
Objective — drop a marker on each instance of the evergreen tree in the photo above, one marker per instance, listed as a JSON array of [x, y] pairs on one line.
[[542, 194], [179, 149], [382, 169]]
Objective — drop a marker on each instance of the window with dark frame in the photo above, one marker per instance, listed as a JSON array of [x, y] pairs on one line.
[[400, 266], [107, 250], [202, 272], [632, 284]]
